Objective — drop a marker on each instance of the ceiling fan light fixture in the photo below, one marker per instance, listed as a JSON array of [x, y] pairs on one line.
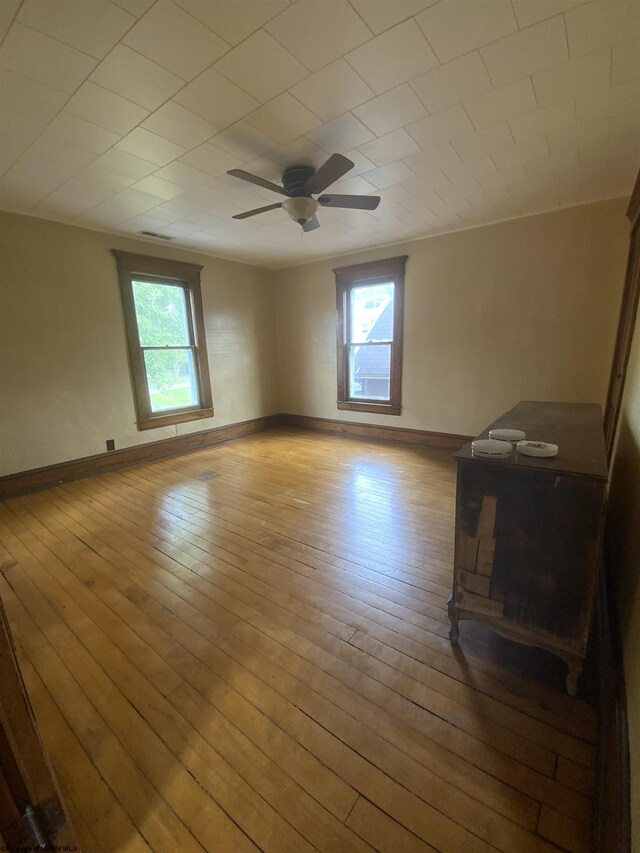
[[300, 208]]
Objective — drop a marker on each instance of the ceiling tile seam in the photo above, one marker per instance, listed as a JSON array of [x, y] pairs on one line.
[[417, 94], [551, 18], [410, 168], [165, 102], [230, 47], [445, 64], [12, 22], [426, 37], [478, 50], [62, 44], [493, 86], [287, 51], [111, 92], [222, 39], [295, 98], [57, 187], [57, 41], [356, 106], [524, 29], [187, 82], [440, 64], [147, 59], [358, 15], [116, 192], [513, 12], [610, 66], [343, 56], [31, 144], [60, 111], [391, 26], [566, 40], [535, 93], [98, 59], [231, 80], [436, 193], [75, 145]]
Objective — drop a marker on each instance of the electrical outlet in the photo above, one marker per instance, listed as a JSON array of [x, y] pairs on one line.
[[111, 444]]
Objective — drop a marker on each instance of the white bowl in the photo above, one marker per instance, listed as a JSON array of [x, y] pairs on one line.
[[490, 448], [512, 435], [537, 448]]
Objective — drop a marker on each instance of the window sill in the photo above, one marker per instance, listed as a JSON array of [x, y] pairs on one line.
[[171, 418], [367, 406]]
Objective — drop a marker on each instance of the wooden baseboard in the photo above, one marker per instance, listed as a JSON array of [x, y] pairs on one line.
[[53, 475], [612, 819], [445, 440], [64, 472]]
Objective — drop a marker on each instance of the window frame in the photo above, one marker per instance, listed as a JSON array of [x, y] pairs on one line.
[[133, 267], [361, 275]]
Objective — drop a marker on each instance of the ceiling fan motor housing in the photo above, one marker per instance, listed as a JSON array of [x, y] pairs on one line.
[[294, 179]]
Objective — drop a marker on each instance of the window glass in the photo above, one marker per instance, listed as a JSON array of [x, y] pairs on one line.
[[171, 378], [371, 313], [161, 312], [370, 372]]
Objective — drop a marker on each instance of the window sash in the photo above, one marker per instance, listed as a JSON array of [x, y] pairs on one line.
[[169, 347], [159, 271]]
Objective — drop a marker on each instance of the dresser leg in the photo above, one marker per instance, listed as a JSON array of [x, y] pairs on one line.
[[573, 674], [454, 631]]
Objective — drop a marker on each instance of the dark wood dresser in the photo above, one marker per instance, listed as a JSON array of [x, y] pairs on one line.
[[529, 532]]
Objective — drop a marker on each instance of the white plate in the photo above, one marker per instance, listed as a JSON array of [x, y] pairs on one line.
[[507, 434], [491, 448], [537, 448]]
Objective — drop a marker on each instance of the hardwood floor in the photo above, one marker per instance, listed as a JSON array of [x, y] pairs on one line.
[[246, 648]]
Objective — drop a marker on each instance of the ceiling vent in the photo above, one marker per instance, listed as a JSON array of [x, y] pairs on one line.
[[157, 236]]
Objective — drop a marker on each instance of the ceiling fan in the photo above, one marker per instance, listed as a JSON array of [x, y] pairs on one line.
[[300, 183]]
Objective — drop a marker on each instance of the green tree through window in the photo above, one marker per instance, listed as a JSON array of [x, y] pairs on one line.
[[163, 331]]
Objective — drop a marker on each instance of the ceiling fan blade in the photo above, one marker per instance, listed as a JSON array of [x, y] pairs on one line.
[[311, 224], [254, 179], [356, 202], [257, 210], [331, 171]]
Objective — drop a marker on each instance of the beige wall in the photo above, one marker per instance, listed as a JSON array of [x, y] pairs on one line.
[[624, 543], [64, 378], [521, 310]]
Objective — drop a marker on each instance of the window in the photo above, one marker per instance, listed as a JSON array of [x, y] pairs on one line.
[[166, 338], [369, 321]]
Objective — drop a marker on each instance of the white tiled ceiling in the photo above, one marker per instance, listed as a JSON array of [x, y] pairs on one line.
[[124, 115]]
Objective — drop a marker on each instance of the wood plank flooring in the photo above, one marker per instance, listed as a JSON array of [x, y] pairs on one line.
[[245, 648]]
